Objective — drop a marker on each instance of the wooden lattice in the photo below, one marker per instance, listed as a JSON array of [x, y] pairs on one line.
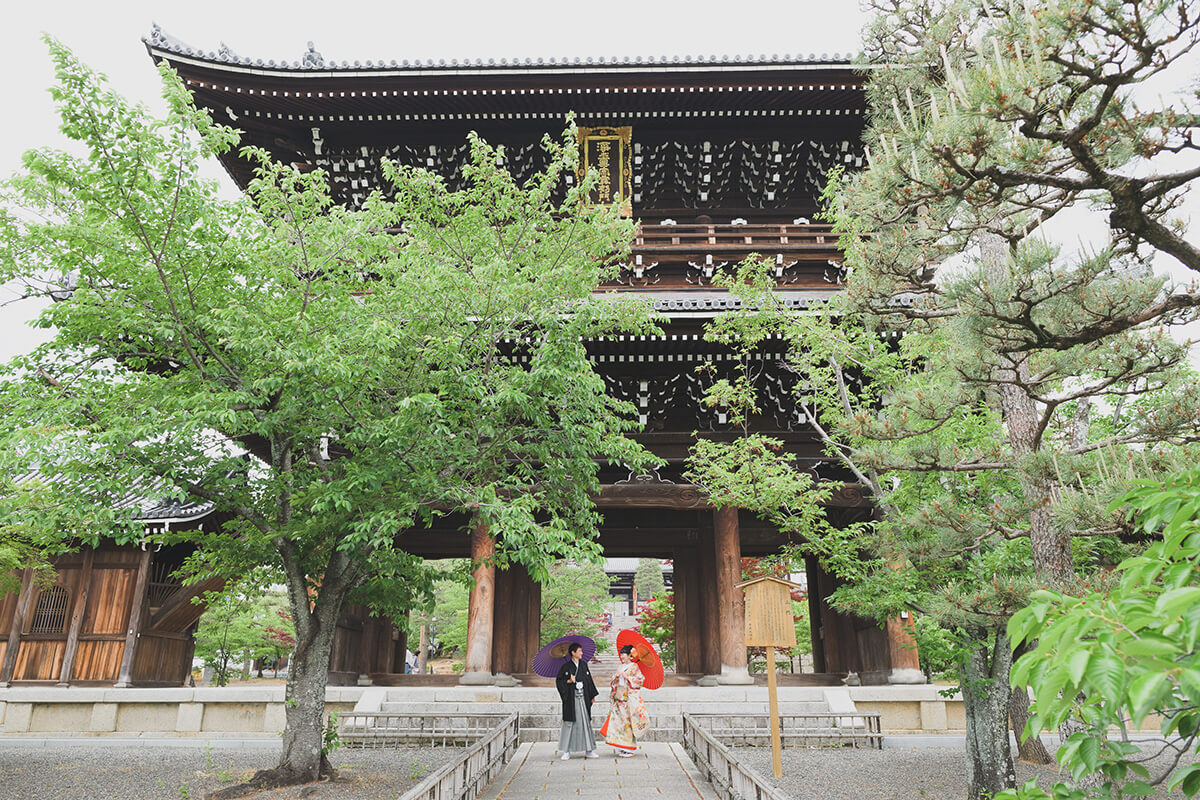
[[50, 613]]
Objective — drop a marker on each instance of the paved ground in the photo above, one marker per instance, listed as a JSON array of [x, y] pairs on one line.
[[142, 771], [892, 774], [660, 771]]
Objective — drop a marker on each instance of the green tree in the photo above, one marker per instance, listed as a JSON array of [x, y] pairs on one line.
[[648, 579], [242, 623], [988, 122], [328, 378], [657, 623], [574, 596], [1131, 650], [802, 621], [24, 539], [448, 622]]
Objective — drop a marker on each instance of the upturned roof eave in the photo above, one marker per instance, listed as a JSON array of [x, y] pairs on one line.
[[163, 46]]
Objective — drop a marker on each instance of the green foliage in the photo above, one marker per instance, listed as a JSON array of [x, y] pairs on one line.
[[574, 598], [1130, 650], [648, 579], [444, 610], [331, 737], [241, 623], [448, 623], [657, 623], [326, 377], [938, 650], [35, 526], [803, 625]]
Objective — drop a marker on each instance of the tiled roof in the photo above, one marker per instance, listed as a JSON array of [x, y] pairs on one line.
[[150, 505], [313, 61]]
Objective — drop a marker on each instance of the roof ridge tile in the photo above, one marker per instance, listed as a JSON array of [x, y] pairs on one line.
[[311, 59]]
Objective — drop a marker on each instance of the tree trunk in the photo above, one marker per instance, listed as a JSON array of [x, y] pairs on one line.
[[985, 699], [1031, 750], [1051, 548], [308, 674], [303, 759]]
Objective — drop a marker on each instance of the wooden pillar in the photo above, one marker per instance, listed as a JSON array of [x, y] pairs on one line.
[[841, 643], [20, 616], [507, 623], [533, 623], [422, 649], [901, 646], [360, 656], [399, 655], [189, 652], [689, 634], [730, 600], [708, 605], [902, 650], [480, 608], [80, 607], [141, 584], [815, 619], [517, 618]]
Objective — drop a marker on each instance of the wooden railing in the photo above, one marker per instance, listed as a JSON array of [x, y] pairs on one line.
[[712, 740], [731, 779], [469, 774], [815, 729], [717, 238], [388, 729]]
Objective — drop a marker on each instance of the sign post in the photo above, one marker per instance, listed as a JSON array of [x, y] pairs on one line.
[[608, 152], [770, 624]]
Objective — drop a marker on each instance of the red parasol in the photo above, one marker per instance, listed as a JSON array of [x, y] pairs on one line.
[[645, 656]]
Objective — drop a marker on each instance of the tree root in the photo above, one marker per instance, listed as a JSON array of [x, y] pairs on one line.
[[264, 779]]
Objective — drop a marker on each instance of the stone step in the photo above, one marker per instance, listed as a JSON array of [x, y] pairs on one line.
[[552, 734], [547, 694], [554, 707]]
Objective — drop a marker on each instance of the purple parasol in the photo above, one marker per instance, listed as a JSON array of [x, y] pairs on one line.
[[551, 657]]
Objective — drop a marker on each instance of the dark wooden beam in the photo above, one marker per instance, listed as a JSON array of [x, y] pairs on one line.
[[710, 611], [81, 597], [138, 603], [20, 614], [685, 496], [652, 494], [179, 612]]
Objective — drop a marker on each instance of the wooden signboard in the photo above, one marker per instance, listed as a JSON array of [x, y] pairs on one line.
[[770, 624], [607, 150], [769, 618]]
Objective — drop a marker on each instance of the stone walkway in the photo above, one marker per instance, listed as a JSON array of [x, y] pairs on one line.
[[660, 771]]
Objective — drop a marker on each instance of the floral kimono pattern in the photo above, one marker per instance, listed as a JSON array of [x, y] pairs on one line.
[[627, 718]]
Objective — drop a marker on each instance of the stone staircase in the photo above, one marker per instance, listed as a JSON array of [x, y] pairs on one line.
[[541, 711]]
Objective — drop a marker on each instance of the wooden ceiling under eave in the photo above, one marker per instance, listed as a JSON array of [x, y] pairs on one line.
[[310, 98]]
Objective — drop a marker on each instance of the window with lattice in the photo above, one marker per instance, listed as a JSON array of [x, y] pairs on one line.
[[50, 613]]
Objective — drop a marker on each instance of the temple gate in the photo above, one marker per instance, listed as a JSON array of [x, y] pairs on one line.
[[716, 159]]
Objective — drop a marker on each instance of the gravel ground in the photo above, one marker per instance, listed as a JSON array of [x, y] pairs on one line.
[[892, 774], [65, 772]]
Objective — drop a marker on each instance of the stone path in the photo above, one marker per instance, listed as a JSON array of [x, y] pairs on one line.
[[660, 771]]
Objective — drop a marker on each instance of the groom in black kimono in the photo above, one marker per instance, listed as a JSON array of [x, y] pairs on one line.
[[577, 690]]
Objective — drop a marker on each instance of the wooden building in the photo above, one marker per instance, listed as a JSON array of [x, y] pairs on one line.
[[115, 614], [716, 159]]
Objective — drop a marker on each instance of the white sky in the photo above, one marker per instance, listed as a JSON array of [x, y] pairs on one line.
[[108, 37]]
